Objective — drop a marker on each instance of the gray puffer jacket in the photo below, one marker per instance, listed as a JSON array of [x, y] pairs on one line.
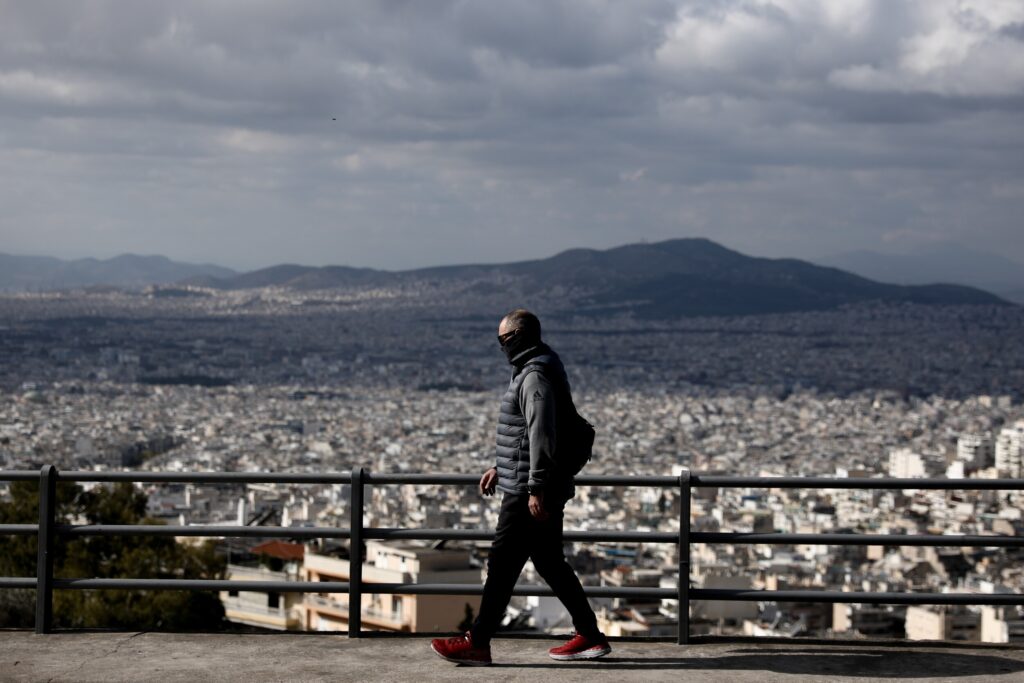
[[527, 426]]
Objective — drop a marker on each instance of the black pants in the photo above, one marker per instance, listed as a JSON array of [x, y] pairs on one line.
[[519, 536]]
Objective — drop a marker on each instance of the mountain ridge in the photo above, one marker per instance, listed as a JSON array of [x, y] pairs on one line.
[[678, 277], [20, 273]]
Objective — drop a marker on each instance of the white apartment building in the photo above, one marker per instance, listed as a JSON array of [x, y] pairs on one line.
[[905, 464], [1000, 624], [929, 622], [1009, 450]]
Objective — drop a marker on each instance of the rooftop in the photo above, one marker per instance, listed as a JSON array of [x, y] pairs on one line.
[[107, 656]]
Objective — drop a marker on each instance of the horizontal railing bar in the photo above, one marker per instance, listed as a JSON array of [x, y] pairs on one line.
[[203, 585], [474, 479], [823, 596], [340, 587], [610, 536], [696, 480], [477, 589], [731, 595], [627, 480], [716, 481], [335, 532], [211, 477], [19, 529], [200, 530], [381, 533], [19, 475], [935, 540], [420, 478]]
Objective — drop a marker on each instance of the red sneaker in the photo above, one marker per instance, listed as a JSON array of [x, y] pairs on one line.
[[461, 650], [581, 647]]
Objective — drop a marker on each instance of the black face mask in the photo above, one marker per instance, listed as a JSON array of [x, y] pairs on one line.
[[515, 345]]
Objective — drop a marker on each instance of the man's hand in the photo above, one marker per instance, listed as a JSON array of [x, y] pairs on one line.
[[537, 506], [488, 481]]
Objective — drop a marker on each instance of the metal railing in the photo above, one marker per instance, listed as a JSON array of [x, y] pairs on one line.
[[47, 530]]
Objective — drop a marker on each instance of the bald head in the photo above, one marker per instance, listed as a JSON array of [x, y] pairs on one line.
[[521, 320]]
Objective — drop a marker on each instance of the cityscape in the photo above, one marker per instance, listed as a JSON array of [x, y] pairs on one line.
[[194, 379], [271, 275]]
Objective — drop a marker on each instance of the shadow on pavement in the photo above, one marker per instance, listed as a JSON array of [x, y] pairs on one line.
[[838, 663]]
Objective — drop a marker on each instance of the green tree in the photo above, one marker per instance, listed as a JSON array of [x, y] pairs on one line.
[[18, 553], [109, 557]]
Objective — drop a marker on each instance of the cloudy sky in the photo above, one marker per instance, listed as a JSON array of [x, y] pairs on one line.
[[404, 134]]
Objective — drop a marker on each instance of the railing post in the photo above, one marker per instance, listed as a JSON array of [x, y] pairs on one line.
[[355, 562], [683, 636], [44, 549]]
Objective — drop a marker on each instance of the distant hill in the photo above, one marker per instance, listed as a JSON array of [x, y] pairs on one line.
[[689, 277], [298, 277], [19, 273], [941, 262], [683, 277]]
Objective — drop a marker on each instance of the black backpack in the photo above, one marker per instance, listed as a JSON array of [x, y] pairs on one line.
[[581, 438]]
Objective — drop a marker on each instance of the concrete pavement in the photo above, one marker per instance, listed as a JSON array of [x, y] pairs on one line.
[[166, 657]]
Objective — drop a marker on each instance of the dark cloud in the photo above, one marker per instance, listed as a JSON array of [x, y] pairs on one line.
[[398, 134], [1014, 30]]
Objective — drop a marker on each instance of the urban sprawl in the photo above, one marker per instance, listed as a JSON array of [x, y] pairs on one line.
[[280, 381]]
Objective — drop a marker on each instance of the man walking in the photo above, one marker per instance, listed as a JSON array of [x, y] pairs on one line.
[[535, 490]]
